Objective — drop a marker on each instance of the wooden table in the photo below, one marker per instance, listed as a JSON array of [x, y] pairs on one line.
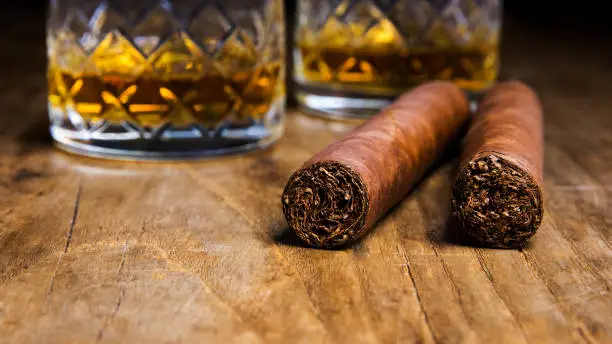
[[101, 252]]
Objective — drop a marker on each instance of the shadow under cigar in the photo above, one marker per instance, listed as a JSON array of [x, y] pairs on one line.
[[287, 237], [449, 233], [452, 235]]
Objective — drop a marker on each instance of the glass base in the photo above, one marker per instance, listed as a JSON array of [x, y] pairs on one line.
[[329, 103], [160, 150], [341, 105], [126, 141]]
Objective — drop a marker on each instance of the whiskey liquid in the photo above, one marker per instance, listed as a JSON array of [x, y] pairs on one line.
[[178, 85], [473, 69], [374, 57], [151, 101]]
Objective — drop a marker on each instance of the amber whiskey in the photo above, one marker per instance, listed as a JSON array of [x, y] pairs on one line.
[[150, 100], [473, 68], [116, 92], [377, 59]]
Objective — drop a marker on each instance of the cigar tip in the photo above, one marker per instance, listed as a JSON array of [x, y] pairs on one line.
[[497, 202], [326, 204]]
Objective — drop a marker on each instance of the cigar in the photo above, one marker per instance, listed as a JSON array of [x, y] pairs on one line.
[[497, 197], [339, 194]]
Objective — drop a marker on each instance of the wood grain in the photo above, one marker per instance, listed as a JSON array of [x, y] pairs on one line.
[[105, 252]]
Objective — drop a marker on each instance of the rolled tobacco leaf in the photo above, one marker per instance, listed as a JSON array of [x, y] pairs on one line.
[[339, 194], [497, 197]]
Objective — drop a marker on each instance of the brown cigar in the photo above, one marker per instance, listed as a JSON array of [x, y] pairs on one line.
[[497, 197], [339, 194]]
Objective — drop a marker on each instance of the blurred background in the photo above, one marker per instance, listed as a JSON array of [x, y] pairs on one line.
[[586, 14], [586, 21]]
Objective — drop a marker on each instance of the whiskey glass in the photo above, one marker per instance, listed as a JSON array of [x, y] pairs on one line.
[[352, 57], [158, 79]]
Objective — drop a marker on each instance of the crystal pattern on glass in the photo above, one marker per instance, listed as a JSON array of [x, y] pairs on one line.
[[164, 78], [379, 48]]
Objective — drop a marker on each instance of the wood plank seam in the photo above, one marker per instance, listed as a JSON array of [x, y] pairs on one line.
[[451, 280], [582, 260], [110, 318], [366, 319], [580, 327], [192, 173], [236, 314], [599, 185], [485, 268], [577, 164], [315, 310], [254, 223], [68, 241], [418, 296]]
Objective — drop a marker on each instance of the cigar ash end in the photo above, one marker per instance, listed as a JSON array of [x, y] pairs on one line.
[[326, 204], [497, 202]]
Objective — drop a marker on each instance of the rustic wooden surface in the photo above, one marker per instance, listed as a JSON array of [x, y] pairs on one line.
[[103, 252]]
